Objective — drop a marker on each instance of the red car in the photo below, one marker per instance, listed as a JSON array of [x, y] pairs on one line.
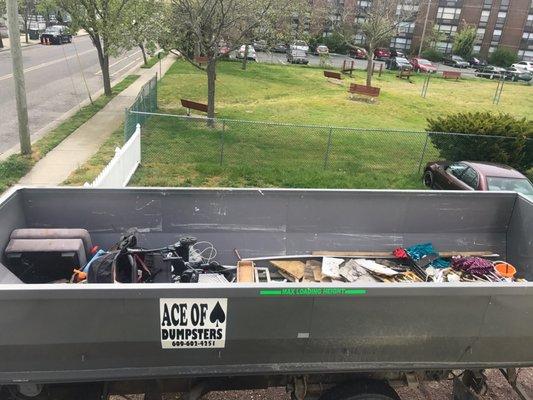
[[381, 54], [468, 175], [422, 65], [358, 52]]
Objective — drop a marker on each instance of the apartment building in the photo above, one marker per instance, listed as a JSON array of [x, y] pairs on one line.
[[506, 23]]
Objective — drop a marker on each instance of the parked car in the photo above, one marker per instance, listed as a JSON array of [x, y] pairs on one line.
[[321, 49], [381, 54], [468, 175], [358, 52], [398, 63], [300, 45], [56, 34], [295, 56], [251, 52], [396, 53], [490, 72], [476, 62], [260, 45], [456, 61], [514, 74], [423, 65], [524, 65], [280, 48]]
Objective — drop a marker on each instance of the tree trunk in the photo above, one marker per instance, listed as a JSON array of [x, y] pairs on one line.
[[245, 59], [370, 66], [1, 42], [211, 82], [141, 46], [103, 59]]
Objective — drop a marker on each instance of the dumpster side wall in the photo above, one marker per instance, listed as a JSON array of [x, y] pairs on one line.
[[520, 238], [278, 222], [12, 216]]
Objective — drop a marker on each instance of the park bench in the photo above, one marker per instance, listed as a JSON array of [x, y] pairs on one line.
[[370, 92], [201, 60], [333, 75], [451, 74], [404, 74], [193, 105]]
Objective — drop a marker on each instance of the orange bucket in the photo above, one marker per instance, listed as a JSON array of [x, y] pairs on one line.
[[505, 269]]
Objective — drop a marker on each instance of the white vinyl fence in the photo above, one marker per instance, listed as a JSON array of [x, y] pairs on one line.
[[123, 165]]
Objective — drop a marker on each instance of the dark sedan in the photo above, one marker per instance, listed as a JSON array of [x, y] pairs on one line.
[[56, 34], [400, 63], [468, 175], [456, 61], [490, 72], [514, 74]]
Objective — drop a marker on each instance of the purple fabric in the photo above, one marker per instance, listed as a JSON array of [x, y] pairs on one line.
[[472, 265]]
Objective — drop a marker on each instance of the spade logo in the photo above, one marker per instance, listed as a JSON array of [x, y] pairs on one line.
[[217, 315]]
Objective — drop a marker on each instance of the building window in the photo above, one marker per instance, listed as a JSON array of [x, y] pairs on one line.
[[480, 33], [525, 55], [406, 28], [487, 4], [529, 23], [527, 41], [444, 47], [492, 49], [477, 49], [496, 35], [484, 18], [448, 13], [359, 38], [400, 43], [504, 5], [448, 30]]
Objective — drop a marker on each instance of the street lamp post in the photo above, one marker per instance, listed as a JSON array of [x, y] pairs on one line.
[[424, 28]]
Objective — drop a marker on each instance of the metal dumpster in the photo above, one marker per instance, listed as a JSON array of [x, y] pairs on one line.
[[97, 332]]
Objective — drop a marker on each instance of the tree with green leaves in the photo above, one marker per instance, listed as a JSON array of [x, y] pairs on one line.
[[107, 22], [146, 27], [378, 23], [503, 57], [463, 42], [198, 28]]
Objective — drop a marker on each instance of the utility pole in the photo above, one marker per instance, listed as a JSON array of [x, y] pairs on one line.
[[18, 76], [424, 28]]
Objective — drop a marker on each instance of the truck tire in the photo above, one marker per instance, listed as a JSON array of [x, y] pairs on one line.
[[362, 390]]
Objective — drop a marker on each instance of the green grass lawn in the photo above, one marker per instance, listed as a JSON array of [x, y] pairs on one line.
[[17, 165], [180, 153]]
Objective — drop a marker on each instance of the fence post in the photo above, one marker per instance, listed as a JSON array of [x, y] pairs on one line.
[[222, 142], [155, 93], [423, 153], [126, 123], [328, 148]]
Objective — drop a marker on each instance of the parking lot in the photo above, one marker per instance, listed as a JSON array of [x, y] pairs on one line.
[[336, 60]]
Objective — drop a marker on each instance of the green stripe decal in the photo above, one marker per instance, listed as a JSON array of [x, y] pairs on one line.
[[312, 292]]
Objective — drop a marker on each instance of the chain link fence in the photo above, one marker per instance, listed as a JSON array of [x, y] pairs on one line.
[[179, 151], [146, 102]]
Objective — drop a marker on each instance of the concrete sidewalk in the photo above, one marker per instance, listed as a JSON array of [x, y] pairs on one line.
[[84, 142]]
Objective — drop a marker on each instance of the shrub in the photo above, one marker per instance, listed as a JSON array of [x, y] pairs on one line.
[[432, 55], [515, 148], [503, 57]]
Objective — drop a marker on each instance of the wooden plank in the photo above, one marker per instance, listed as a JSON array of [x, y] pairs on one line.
[[331, 74], [245, 271], [193, 105], [451, 74], [364, 90], [295, 269]]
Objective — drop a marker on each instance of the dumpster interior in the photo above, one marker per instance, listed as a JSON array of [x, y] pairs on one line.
[[221, 246]]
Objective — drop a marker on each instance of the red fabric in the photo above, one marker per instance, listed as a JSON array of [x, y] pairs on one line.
[[400, 253]]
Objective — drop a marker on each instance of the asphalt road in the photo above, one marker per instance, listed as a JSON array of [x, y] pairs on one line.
[[336, 61], [54, 83]]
